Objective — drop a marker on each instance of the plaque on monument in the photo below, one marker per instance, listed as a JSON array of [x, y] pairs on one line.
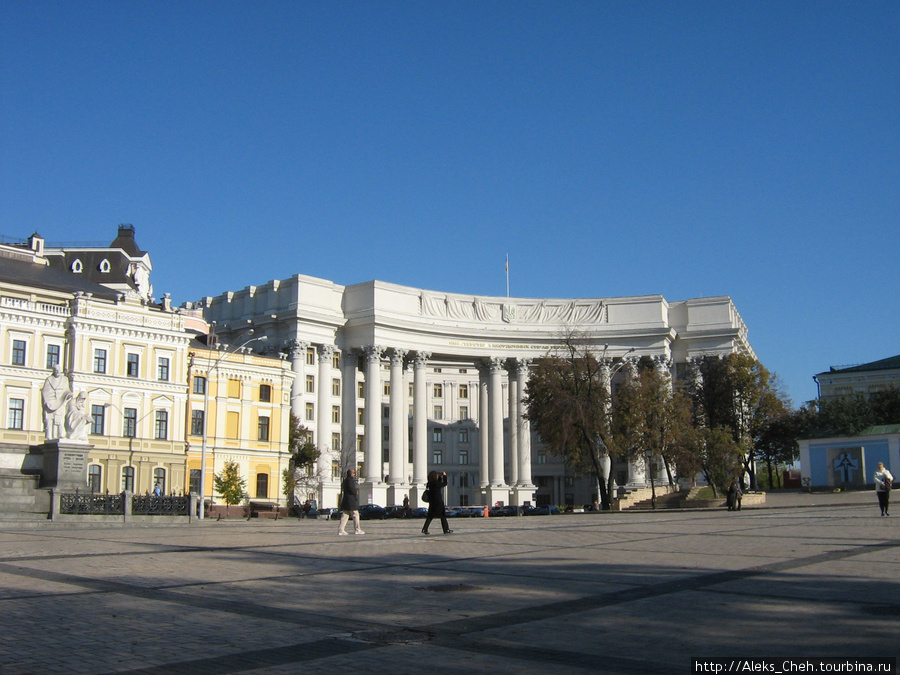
[[65, 465]]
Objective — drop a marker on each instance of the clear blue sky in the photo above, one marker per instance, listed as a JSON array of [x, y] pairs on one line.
[[689, 149]]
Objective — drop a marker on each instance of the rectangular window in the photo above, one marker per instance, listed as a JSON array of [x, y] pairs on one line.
[[162, 369], [129, 423], [463, 457], [437, 370], [387, 388], [335, 387], [234, 388], [265, 393], [387, 412], [199, 384], [463, 435], [16, 419], [437, 456], [359, 443], [52, 356], [464, 500], [360, 416], [161, 425], [541, 457], [310, 412], [100, 361], [195, 481], [412, 390], [438, 391], [386, 434], [232, 425], [18, 353], [336, 442], [360, 390], [94, 477], [311, 356], [336, 414], [438, 412], [336, 360], [310, 384], [159, 478], [196, 422], [98, 419], [464, 480], [133, 366], [437, 435], [464, 391], [463, 412], [262, 486], [262, 429]]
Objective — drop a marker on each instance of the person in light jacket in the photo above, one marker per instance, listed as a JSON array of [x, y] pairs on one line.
[[883, 481], [350, 503], [436, 484]]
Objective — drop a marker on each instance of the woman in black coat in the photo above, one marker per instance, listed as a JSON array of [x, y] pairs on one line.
[[350, 503], [436, 484]]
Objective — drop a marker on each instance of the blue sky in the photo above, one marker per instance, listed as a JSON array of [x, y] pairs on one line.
[[686, 149]]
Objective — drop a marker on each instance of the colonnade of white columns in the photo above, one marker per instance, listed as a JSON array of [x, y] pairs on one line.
[[494, 456]]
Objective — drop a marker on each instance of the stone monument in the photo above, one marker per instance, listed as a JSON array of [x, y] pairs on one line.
[[65, 450]]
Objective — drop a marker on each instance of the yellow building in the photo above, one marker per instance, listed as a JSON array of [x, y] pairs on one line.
[[240, 400]]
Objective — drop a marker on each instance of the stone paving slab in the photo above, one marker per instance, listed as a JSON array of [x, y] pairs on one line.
[[639, 592]]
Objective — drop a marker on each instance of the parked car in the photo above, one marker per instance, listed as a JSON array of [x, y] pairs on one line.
[[328, 513], [475, 511], [456, 512], [372, 512], [502, 511], [396, 511], [541, 511], [420, 512]]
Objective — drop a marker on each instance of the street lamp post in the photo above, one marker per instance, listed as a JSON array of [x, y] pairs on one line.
[[209, 371]]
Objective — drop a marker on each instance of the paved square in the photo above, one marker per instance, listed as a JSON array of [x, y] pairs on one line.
[[626, 592]]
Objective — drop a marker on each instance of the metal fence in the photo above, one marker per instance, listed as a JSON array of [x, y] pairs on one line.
[[115, 504]]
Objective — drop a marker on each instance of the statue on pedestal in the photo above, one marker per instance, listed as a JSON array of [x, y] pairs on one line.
[[77, 419], [55, 394]]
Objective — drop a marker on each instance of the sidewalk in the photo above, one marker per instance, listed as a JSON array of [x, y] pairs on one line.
[[613, 593]]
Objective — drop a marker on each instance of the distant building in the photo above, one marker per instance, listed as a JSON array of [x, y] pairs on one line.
[[398, 381], [849, 462], [90, 310], [866, 378]]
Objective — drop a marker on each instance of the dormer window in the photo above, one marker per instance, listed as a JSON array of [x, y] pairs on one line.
[[77, 267], [105, 266]]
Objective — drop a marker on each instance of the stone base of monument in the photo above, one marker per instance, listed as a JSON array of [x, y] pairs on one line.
[[65, 464]]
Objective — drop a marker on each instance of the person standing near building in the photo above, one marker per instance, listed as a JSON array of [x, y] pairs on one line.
[[883, 484], [350, 503], [436, 484]]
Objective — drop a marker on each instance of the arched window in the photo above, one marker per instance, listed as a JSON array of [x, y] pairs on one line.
[[159, 478], [128, 478], [105, 267], [77, 267], [95, 473], [262, 485]]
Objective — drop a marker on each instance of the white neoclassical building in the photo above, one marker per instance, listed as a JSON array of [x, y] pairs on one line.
[[400, 381]]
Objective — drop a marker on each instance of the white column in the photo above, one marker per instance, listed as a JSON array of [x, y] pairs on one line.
[[373, 414], [323, 417], [495, 407], [297, 351], [349, 364], [397, 462], [483, 428], [513, 424], [524, 427], [420, 419]]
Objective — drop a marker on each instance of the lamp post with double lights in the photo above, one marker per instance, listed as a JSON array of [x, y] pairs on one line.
[[209, 372]]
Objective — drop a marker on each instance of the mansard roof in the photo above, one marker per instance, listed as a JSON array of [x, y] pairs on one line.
[[42, 276]]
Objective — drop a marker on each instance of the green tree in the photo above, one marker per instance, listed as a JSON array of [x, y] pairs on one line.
[[230, 485], [736, 392], [650, 416], [569, 407], [301, 474]]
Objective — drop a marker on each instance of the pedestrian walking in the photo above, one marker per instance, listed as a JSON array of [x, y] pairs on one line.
[[435, 488], [883, 483], [349, 503], [734, 496]]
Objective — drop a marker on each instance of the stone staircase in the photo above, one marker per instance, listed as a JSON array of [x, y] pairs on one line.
[[21, 499], [668, 500], [642, 498]]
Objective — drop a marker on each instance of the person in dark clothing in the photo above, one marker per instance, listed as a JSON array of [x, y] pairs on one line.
[[350, 503], [436, 484], [734, 496]]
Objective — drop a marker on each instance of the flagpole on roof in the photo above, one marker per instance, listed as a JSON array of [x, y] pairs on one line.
[[507, 275]]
